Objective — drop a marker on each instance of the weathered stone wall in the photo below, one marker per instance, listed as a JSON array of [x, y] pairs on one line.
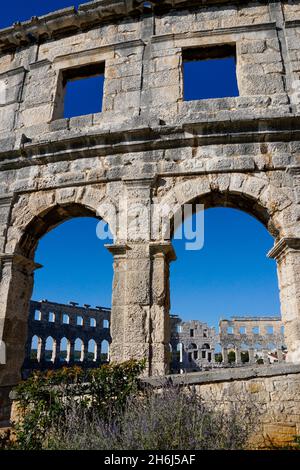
[[192, 345], [273, 392], [254, 335], [148, 146]]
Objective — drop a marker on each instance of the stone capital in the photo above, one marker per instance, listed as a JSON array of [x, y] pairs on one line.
[[165, 249], [284, 245], [118, 250], [19, 260]]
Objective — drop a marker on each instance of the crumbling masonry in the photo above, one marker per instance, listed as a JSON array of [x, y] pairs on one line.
[[147, 145]]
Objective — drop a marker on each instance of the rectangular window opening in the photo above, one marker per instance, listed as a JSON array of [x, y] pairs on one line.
[[82, 90], [51, 317], [209, 72], [270, 330]]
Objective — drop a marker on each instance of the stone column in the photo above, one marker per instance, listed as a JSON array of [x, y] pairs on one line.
[[225, 355], [251, 356], [238, 359], [265, 356], [86, 352], [287, 254], [119, 299], [56, 345], [279, 355], [140, 304], [42, 353], [160, 328], [16, 282], [71, 351]]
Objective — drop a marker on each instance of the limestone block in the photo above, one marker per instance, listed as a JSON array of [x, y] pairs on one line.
[[11, 86], [32, 116], [7, 117], [137, 287]]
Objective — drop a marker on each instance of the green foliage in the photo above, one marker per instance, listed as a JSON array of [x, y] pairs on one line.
[[231, 356], [46, 397], [218, 357]]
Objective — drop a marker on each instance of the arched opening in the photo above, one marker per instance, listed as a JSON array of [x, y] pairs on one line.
[[50, 349], [231, 353], [230, 275], [104, 351], [258, 353], [78, 350], [64, 350], [63, 241], [92, 350], [36, 346], [218, 357], [245, 355]]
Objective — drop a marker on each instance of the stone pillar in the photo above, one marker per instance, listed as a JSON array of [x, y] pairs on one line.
[[279, 355], [161, 256], [251, 356], [43, 347], [86, 352], [287, 254], [140, 304], [56, 354], [225, 355], [16, 282], [265, 356], [238, 359], [71, 351]]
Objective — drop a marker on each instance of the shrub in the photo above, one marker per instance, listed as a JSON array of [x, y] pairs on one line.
[[172, 419], [45, 398]]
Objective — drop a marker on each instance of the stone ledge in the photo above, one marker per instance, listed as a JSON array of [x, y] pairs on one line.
[[62, 145], [224, 375], [88, 15]]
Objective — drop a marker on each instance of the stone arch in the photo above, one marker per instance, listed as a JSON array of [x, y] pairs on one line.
[[104, 350], [92, 350], [252, 194], [36, 348], [78, 350], [267, 199], [64, 349], [50, 349], [34, 215]]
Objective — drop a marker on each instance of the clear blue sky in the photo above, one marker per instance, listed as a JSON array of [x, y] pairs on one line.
[[21, 10], [229, 276]]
